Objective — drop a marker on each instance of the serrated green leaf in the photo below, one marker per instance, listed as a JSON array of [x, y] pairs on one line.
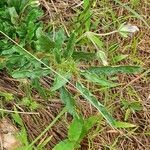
[[36, 73], [59, 81], [111, 70], [68, 101], [75, 129], [96, 79], [119, 124], [65, 145], [83, 56], [86, 94]]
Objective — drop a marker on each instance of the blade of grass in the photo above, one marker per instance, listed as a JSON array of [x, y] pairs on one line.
[[47, 128], [19, 112]]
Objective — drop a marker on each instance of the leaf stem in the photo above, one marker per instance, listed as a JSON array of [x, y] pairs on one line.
[[103, 34]]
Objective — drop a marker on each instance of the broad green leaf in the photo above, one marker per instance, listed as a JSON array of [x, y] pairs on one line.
[[99, 80], [111, 70], [119, 124], [65, 145], [37, 73], [68, 101], [86, 94], [59, 81], [83, 56], [44, 43], [75, 129]]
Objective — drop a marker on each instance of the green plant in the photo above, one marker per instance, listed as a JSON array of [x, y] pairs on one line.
[[76, 132], [131, 107], [29, 50], [28, 66]]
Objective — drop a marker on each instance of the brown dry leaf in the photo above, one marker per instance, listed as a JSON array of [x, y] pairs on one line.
[[8, 131]]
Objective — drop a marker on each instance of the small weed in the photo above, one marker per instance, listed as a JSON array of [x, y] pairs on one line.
[[32, 53]]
